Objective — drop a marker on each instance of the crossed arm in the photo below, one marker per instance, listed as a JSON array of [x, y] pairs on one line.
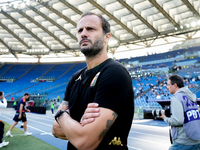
[[89, 116], [88, 136]]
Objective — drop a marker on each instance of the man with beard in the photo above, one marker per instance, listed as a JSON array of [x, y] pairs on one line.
[[20, 115], [104, 83]]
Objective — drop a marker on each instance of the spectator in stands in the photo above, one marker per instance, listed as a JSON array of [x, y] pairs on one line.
[[44, 104], [162, 95], [165, 83], [3, 104], [146, 98], [185, 128], [158, 96], [103, 81], [165, 89], [20, 115], [137, 92]]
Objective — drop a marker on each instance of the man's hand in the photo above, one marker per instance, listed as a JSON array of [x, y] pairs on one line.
[[91, 112], [28, 110], [19, 117], [163, 115], [57, 131]]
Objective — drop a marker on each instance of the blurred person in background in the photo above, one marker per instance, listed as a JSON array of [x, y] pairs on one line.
[[3, 104], [52, 107], [20, 115]]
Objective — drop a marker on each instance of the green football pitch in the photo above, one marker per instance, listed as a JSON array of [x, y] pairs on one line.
[[21, 142]]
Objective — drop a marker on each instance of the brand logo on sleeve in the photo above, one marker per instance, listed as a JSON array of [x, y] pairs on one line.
[[79, 78]]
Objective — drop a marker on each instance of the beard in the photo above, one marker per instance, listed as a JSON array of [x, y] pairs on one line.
[[94, 49]]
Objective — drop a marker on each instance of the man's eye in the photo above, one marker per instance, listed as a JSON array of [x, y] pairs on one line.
[[79, 31]]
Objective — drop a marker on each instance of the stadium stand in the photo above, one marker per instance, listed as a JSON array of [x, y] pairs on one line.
[[149, 80]]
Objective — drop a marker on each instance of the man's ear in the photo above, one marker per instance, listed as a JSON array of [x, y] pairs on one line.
[[107, 37], [175, 84]]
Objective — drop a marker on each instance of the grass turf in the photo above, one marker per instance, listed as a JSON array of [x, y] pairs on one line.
[[22, 142]]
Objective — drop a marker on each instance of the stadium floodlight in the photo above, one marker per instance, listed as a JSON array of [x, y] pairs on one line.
[[181, 27], [4, 51], [198, 22], [15, 5], [176, 28], [23, 4], [46, 50], [193, 24], [37, 51], [27, 2], [187, 25]]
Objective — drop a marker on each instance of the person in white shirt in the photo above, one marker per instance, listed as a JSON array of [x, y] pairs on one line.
[[3, 104]]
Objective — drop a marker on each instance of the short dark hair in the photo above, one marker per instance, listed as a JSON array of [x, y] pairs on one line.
[[176, 79], [1, 93], [105, 23], [26, 94]]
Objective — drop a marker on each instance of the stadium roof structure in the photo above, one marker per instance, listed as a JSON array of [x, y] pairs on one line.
[[39, 29]]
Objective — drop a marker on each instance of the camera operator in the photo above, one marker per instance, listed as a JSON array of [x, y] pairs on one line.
[[185, 118]]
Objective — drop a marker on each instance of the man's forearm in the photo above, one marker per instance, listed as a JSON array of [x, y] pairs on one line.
[[20, 109], [63, 106], [88, 136], [57, 131], [177, 117], [67, 124]]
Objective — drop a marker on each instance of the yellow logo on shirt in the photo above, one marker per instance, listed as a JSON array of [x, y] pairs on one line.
[[116, 142]]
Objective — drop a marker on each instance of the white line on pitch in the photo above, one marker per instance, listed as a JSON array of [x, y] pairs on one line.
[[134, 148], [28, 126], [29, 116], [147, 141], [38, 117], [152, 128], [149, 134]]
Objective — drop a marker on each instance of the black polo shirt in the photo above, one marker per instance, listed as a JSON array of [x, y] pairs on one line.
[[108, 84]]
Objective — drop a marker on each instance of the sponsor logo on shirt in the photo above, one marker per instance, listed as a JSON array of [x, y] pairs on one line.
[[94, 79]]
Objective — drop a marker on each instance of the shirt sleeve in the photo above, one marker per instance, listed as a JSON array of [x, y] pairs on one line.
[[24, 102], [177, 117], [113, 88], [67, 91], [3, 104]]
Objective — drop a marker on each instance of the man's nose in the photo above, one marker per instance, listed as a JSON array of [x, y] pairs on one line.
[[84, 33]]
